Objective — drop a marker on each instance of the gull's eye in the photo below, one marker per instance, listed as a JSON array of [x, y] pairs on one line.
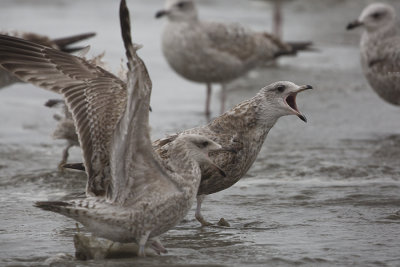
[[280, 88], [376, 15], [181, 4]]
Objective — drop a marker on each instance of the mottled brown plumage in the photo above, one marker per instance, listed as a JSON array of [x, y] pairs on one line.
[[380, 50], [143, 198], [213, 52], [63, 44], [241, 131]]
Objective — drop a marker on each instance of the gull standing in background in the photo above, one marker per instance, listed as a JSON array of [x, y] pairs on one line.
[[212, 52], [380, 50], [144, 198]]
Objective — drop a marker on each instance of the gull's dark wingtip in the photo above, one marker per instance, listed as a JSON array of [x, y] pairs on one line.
[[125, 25]]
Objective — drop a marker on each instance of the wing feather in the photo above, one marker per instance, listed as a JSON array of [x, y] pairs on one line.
[[135, 167], [83, 86]]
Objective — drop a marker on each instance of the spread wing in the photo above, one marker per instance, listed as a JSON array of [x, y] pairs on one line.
[[136, 169], [62, 44], [95, 97]]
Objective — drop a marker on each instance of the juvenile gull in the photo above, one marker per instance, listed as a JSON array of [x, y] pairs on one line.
[[62, 44], [144, 198], [241, 131], [212, 52], [380, 50]]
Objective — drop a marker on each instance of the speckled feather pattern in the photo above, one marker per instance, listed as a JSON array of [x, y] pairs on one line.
[[212, 52], [143, 199], [242, 131], [380, 50], [380, 60], [7, 79]]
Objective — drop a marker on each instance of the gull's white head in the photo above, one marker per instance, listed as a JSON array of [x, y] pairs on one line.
[[279, 99], [179, 10], [375, 17]]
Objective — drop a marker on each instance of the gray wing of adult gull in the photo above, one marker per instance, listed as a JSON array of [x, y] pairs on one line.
[[135, 167], [95, 97]]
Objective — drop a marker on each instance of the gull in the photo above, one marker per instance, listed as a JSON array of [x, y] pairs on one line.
[[212, 52], [144, 196], [380, 50], [62, 44], [241, 132]]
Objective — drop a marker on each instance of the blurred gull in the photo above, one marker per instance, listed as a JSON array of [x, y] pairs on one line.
[[62, 44], [241, 132], [212, 52], [380, 50], [65, 129], [144, 197]]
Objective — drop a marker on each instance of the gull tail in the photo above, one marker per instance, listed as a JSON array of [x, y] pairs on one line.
[[77, 211], [291, 48], [74, 166], [65, 42], [55, 206]]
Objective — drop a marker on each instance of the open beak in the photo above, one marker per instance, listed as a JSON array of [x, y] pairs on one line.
[[161, 13], [353, 25], [291, 101]]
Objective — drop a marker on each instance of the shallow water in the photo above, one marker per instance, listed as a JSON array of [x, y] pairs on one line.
[[321, 193]]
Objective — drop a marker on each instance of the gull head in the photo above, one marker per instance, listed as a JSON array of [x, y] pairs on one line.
[[199, 143], [374, 17], [198, 148], [179, 10], [279, 99]]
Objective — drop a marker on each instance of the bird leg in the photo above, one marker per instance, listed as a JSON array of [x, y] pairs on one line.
[[158, 247], [197, 214], [64, 157], [223, 97], [142, 243], [278, 19], [208, 101]]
